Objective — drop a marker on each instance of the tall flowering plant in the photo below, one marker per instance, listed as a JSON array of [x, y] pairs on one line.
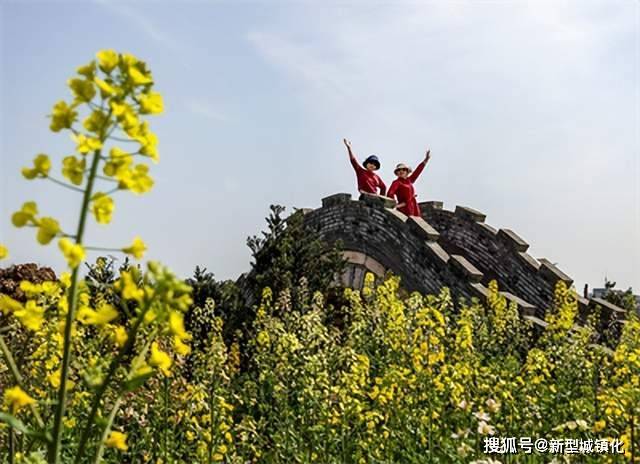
[[130, 341]]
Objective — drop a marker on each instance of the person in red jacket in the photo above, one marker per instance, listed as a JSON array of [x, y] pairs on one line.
[[402, 188], [368, 180]]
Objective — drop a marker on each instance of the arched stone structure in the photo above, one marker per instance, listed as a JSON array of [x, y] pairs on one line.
[[455, 249]]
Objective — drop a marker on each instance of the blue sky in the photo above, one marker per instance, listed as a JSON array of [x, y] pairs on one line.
[[531, 110]]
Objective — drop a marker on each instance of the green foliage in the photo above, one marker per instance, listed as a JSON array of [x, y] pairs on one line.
[[621, 298], [286, 252], [229, 305], [285, 258]]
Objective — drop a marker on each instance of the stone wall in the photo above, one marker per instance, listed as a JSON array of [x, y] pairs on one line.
[[371, 229], [456, 249]]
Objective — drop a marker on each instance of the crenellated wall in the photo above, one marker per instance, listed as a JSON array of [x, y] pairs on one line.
[[456, 249], [499, 254]]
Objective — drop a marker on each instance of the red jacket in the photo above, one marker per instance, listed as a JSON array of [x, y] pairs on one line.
[[404, 192], [368, 181]]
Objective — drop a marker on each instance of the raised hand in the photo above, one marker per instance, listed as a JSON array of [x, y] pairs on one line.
[[427, 155], [346, 143]]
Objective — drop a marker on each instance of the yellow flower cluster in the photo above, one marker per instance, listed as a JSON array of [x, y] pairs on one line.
[[117, 89], [15, 399], [400, 368]]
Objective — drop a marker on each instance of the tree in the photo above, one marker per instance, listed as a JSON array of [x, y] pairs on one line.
[[286, 252], [623, 299], [228, 304]]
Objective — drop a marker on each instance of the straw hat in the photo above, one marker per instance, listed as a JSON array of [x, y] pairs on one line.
[[401, 166]]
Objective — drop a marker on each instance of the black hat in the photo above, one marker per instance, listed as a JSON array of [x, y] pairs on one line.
[[373, 159]]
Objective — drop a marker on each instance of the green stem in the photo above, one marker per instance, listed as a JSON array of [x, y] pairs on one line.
[[12, 451], [112, 191], [165, 413], [54, 449], [64, 184], [107, 429], [95, 404], [116, 405], [94, 248]]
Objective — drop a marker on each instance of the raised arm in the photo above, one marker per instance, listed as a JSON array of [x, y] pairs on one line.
[[352, 158], [415, 174]]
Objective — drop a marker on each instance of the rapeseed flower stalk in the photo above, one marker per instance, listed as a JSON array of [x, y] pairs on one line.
[[110, 96]]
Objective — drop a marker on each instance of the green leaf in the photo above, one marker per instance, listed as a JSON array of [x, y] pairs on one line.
[[17, 424], [136, 382]]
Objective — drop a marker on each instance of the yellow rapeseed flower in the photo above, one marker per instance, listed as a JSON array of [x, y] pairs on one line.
[[599, 426], [41, 167], [73, 253], [73, 169], [148, 140], [82, 89], [117, 440], [88, 70], [63, 116], [107, 60], [54, 378], [65, 279], [176, 325], [136, 179], [151, 103], [118, 108], [136, 249], [120, 335], [106, 89], [26, 215], [160, 359], [96, 121], [16, 398], [102, 316], [138, 77], [86, 144], [118, 161], [129, 288], [127, 118], [181, 348], [102, 207], [9, 305], [30, 315], [48, 228], [4, 252]]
